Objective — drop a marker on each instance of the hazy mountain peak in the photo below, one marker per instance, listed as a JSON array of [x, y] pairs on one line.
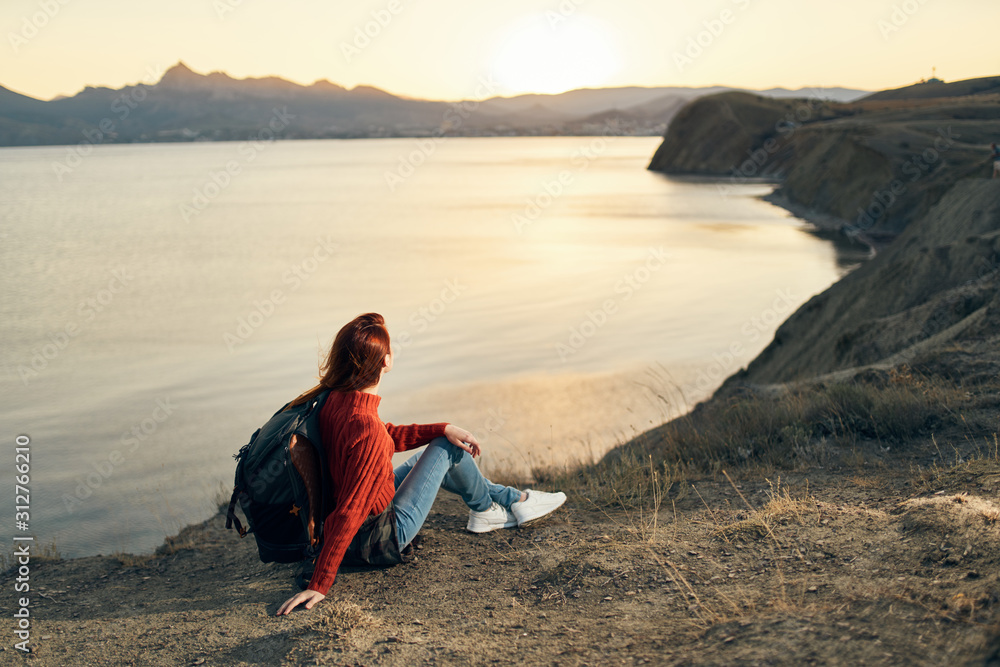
[[180, 74], [326, 84], [370, 91], [179, 70], [218, 75]]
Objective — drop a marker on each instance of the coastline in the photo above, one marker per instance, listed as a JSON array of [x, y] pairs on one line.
[[827, 225]]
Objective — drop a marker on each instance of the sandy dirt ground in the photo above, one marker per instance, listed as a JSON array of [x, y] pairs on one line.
[[848, 567]]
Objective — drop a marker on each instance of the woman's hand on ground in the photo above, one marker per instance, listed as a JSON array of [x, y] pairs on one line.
[[462, 439], [310, 597]]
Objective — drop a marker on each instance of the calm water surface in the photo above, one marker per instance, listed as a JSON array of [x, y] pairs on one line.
[[548, 293]]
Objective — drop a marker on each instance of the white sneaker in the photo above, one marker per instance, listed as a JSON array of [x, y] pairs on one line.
[[536, 505], [495, 518]]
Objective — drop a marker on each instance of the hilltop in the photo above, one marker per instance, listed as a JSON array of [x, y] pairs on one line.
[[869, 167], [935, 88]]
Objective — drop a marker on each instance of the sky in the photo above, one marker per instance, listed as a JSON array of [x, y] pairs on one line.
[[469, 49]]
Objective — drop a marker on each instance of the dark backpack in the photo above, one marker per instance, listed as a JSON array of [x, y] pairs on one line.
[[282, 485]]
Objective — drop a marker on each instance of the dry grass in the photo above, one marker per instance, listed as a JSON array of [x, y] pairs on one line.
[[971, 510], [221, 497], [172, 545], [714, 605], [866, 482], [761, 521], [641, 503], [47, 552], [976, 455], [39, 554], [808, 425], [133, 560], [757, 433], [624, 481], [331, 628]]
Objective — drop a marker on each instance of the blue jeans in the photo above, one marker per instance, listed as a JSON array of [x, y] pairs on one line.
[[441, 466]]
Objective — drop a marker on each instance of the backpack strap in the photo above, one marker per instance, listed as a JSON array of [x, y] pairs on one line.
[[311, 430], [309, 427], [307, 464], [231, 514]]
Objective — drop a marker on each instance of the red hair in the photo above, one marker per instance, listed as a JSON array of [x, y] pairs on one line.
[[356, 357]]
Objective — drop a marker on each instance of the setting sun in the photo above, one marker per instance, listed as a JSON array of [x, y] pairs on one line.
[[553, 54]]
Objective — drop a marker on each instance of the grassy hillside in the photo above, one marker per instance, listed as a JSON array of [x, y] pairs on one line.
[[934, 290], [935, 88]]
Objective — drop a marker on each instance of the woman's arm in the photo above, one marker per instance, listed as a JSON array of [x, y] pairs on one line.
[[308, 596], [354, 501], [411, 436], [462, 439], [417, 435]]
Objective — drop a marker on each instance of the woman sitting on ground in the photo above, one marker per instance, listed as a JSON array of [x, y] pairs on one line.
[[389, 506]]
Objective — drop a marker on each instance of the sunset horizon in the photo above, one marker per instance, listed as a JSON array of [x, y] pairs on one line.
[[155, 73], [525, 47]]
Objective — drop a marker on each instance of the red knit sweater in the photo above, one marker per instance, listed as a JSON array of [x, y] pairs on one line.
[[359, 449]]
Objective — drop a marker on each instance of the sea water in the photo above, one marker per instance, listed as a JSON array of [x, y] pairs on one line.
[[160, 301]]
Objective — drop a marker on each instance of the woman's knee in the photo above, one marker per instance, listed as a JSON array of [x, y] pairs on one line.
[[455, 454]]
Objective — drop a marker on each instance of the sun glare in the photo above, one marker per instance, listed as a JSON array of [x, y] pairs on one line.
[[553, 55]]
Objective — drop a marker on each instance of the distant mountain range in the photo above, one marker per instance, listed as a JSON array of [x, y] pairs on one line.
[[186, 106]]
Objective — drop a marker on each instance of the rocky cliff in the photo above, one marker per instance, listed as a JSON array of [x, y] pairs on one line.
[[932, 297], [869, 167]]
